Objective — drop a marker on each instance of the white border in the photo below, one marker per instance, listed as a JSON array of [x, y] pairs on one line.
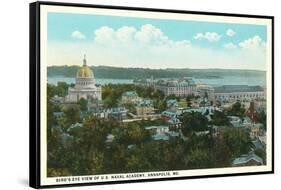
[[45, 9]]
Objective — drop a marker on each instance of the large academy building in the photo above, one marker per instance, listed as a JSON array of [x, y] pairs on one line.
[[239, 92], [85, 85]]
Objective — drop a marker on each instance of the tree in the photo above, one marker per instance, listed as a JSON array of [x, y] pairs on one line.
[[71, 115], [193, 122], [197, 158], [251, 112], [219, 119], [83, 104], [261, 118], [237, 109], [188, 100]]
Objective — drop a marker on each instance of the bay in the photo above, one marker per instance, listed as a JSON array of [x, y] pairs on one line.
[[227, 80]]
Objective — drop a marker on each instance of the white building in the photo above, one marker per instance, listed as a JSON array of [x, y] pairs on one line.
[[181, 87], [85, 85], [239, 92]]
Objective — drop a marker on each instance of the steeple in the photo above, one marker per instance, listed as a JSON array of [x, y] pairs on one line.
[[84, 60]]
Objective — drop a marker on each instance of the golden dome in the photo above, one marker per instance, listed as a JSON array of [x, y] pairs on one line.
[[85, 72]]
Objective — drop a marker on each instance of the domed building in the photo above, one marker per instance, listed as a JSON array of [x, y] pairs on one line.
[[85, 85]]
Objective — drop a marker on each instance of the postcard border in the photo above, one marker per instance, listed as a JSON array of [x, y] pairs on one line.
[[35, 82]]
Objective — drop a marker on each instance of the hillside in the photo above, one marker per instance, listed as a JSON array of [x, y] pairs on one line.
[[139, 73]]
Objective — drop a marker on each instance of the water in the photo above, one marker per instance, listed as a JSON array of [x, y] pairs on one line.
[[54, 80], [228, 80]]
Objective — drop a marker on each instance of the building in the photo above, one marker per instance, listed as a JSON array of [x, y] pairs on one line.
[[250, 159], [85, 85], [57, 100], [150, 82], [129, 97], [256, 130], [144, 108], [182, 87], [162, 132], [178, 87], [114, 112], [172, 103], [205, 91], [238, 92]]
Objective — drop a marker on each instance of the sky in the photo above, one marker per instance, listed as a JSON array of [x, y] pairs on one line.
[[154, 43]]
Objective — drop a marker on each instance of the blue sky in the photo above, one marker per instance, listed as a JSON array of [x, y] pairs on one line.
[[96, 34]]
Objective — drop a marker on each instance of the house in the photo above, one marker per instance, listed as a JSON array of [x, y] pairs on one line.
[[256, 130], [119, 112], [159, 137], [58, 115], [158, 129], [173, 134], [109, 138], [169, 114], [202, 133], [144, 108], [235, 121], [250, 159], [258, 144], [57, 100], [129, 97], [74, 126], [247, 122], [172, 103]]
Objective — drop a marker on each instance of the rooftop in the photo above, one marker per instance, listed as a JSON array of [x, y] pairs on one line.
[[130, 93], [245, 158], [237, 88]]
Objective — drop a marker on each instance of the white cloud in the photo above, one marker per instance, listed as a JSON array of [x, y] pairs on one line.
[[230, 32], [230, 46], [253, 43], [210, 36], [147, 35], [104, 35], [125, 34], [149, 47], [77, 35]]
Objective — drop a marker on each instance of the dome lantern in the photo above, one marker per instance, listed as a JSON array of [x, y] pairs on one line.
[[85, 71]]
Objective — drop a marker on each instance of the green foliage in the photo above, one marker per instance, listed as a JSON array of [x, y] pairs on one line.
[[111, 94], [237, 141], [71, 115], [61, 89], [134, 73], [220, 119], [261, 118], [193, 122], [237, 109], [83, 104]]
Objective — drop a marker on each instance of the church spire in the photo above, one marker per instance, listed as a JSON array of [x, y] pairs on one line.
[[84, 60]]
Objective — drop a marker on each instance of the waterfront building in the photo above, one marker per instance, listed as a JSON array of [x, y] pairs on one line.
[[179, 87], [85, 85], [238, 92], [205, 91]]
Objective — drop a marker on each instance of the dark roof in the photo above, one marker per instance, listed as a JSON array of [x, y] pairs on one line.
[[237, 88]]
